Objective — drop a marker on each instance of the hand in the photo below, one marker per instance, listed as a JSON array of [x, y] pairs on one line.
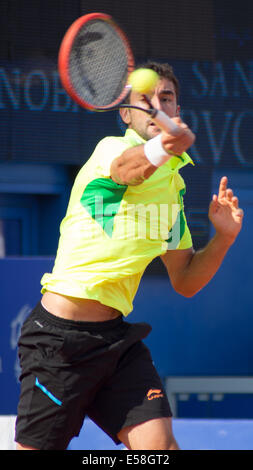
[[225, 214], [178, 144]]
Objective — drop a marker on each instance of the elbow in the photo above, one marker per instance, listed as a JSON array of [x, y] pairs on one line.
[[130, 172], [184, 284], [187, 295], [127, 178], [120, 175], [185, 291], [117, 175]]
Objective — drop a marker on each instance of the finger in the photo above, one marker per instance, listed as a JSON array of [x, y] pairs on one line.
[[214, 203], [188, 138], [235, 202], [223, 187], [178, 144], [180, 123], [239, 214], [177, 120], [229, 194]]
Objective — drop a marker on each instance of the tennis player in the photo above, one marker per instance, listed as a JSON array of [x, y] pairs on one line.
[[78, 354]]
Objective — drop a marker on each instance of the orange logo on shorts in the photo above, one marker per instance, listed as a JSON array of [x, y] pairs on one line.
[[154, 393]]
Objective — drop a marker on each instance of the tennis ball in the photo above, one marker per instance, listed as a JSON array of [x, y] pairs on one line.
[[143, 80]]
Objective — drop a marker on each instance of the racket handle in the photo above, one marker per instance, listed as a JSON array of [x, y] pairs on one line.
[[165, 123]]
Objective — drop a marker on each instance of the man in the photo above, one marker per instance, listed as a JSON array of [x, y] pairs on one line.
[[78, 356]]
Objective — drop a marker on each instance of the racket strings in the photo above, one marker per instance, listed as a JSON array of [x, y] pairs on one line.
[[98, 63]]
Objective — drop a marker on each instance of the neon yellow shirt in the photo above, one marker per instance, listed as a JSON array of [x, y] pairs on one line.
[[112, 232]]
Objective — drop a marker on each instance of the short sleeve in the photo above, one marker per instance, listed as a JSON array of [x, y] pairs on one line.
[[106, 151]]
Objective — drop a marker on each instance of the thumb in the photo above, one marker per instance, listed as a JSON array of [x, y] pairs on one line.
[[213, 204]]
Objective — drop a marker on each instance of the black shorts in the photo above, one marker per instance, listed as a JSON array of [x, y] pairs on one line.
[[72, 369]]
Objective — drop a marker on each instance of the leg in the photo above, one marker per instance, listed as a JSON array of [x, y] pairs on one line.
[[47, 417], [155, 434], [132, 407]]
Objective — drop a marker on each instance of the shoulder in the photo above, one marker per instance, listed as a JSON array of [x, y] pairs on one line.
[[111, 143], [107, 150]]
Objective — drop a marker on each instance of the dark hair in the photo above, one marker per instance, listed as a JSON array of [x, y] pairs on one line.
[[164, 70]]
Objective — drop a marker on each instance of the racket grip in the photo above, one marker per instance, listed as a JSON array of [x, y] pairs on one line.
[[165, 123]]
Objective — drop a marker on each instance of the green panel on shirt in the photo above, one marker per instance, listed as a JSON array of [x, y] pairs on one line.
[[102, 198]]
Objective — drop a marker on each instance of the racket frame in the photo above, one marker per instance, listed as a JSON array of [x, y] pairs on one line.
[[159, 117], [64, 59]]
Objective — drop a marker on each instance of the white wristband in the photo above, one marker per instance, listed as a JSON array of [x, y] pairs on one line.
[[155, 152]]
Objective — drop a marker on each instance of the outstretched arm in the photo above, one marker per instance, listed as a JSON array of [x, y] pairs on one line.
[[190, 271]]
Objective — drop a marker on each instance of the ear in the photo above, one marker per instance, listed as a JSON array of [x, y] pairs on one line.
[[125, 115], [178, 110]]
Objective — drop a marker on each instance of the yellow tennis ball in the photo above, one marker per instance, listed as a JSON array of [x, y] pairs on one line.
[[143, 80]]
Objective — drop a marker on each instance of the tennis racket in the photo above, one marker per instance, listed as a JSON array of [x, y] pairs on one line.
[[95, 60]]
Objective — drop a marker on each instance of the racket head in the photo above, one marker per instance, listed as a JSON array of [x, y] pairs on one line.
[[95, 60]]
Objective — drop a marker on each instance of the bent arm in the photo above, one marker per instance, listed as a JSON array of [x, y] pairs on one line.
[[134, 166], [190, 271]]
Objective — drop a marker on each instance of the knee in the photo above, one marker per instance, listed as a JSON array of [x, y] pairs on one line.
[[151, 435], [163, 442], [172, 444]]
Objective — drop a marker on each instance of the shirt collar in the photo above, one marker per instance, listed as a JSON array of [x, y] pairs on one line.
[[134, 137]]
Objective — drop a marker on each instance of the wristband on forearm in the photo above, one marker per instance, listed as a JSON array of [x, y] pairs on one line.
[[155, 152]]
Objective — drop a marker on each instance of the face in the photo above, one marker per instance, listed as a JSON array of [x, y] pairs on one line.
[[162, 98]]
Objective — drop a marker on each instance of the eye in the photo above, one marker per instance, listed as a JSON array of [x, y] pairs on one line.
[[166, 99], [143, 102]]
